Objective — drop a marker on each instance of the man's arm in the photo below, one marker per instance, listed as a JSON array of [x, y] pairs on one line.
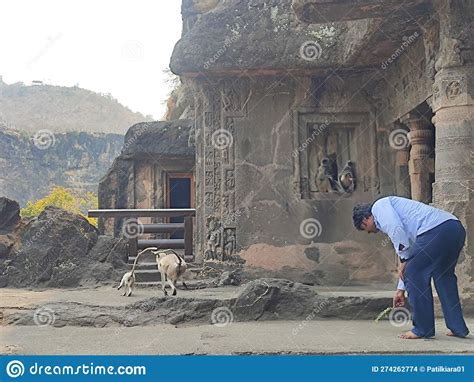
[[390, 223], [401, 285]]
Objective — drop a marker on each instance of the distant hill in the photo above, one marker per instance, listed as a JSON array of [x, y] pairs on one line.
[[75, 160], [63, 109]]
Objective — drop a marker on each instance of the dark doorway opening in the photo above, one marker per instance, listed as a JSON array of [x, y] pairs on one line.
[[180, 195]]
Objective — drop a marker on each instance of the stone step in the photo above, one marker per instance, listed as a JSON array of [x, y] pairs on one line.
[[147, 275], [148, 283], [144, 266], [149, 259]]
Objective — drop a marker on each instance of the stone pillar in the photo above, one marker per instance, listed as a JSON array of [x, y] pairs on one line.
[[453, 106], [421, 163], [402, 173]]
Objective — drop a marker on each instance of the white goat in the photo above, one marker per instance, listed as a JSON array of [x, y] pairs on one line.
[[128, 279], [171, 267]]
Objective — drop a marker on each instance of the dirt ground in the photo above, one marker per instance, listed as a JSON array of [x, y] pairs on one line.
[[269, 337], [307, 335]]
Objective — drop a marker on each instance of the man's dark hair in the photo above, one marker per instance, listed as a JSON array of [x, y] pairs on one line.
[[360, 212]]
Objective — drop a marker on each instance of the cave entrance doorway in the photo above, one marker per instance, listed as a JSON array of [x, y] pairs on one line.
[[180, 194]]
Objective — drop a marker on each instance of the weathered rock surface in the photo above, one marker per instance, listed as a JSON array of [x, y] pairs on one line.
[[9, 215], [264, 299], [273, 298], [51, 251], [59, 249], [107, 261], [274, 36], [342, 263], [161, 138], [73, 160]]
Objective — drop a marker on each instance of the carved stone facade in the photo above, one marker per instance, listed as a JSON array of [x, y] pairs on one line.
[[384, 107], [138, 178], [218, 107]]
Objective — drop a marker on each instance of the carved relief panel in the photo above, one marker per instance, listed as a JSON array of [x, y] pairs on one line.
[[221, 105], [335, 154]]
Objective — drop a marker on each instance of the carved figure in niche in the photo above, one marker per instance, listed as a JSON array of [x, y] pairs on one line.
[[213, 243], [347, 178], [229, 243], [325, 182], [453, 90]]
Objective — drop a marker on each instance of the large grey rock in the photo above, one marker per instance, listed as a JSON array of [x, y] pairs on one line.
[[107, 261], [271, 298], [6, 244], [9, 215], [52, 250]]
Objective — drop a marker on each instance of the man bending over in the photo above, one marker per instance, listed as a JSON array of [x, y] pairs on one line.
[[428, 241]]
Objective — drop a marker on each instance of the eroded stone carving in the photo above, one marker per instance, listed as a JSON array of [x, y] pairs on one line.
[[229, 243], [453, 90], [221, 242], [213, 244]]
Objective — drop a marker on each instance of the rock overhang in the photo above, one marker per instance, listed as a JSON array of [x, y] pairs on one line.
[[267, 37], [160, 138]]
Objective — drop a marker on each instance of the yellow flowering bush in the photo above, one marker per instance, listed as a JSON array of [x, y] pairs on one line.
[[66, 199]]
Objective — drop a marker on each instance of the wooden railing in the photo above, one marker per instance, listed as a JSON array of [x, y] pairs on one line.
[[136, 243]]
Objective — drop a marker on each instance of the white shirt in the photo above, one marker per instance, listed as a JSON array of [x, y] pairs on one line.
[[403, 220]]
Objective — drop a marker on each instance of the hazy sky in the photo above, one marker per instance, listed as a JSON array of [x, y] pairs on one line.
[[119, 47]]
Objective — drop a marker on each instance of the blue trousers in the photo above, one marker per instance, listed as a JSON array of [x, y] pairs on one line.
[[434, 256]]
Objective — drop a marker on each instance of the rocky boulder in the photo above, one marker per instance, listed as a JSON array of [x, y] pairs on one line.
[[9, 215], [106, 262], [52, 250], [273, 298]]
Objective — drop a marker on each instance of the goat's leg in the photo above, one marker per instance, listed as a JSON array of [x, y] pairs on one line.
[[163, 282], [184, 284], [173, 287]]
